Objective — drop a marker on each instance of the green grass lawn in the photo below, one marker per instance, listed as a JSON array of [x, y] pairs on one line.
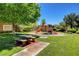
[[67, 45], [61, 46], [7, 45]]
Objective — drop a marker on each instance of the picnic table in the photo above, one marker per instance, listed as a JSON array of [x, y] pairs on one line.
[[25, 39]]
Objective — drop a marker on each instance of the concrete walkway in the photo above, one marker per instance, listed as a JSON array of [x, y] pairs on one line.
[[32, 49]]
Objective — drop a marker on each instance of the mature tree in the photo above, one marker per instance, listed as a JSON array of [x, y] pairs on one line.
[[77, 22], [70, 20], [62, 26], [19, 13]]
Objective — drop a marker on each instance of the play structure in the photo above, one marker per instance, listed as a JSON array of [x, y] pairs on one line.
[[45, 29]]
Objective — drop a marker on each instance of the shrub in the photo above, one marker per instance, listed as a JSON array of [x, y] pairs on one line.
[[77, 32], [61, 30], [6, 32], [71, 30], [27, 29]]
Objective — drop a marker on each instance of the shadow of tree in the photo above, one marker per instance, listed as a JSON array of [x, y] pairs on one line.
[[7, 41]]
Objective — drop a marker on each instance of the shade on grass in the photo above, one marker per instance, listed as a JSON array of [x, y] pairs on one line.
[[61, 46], [7, 45]]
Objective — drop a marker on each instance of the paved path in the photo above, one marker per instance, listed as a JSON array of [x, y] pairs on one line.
[[32, 49]]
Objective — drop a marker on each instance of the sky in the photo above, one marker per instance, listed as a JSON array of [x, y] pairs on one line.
[[55, 12]]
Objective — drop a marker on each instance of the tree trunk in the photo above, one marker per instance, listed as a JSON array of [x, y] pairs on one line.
[[71, 26], [66, 28], [13, 31]]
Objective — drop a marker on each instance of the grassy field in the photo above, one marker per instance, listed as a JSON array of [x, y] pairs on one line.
[[7, 45], [61, 46]]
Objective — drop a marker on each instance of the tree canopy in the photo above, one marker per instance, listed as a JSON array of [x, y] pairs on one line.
[[70, 20], [19, 13]]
